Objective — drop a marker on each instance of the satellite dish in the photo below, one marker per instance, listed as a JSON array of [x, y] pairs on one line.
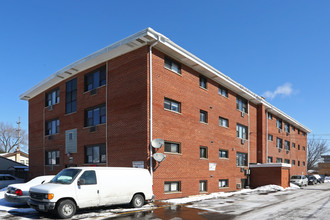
[[157, 143], [159, 157]]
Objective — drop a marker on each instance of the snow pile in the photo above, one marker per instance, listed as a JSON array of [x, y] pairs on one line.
[[268, 189], [261, 189]]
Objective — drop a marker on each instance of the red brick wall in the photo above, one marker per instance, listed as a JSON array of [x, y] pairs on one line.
[[126, 117], [294, 153], [261, 176], [186, 129]]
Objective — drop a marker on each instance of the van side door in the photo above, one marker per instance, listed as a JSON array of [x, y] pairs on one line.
[[87, 190]]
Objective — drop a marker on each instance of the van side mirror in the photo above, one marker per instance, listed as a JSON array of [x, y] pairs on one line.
[[81, 182]]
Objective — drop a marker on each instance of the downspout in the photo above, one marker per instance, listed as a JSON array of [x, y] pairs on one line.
[[150, 108], [43, 139], [267, 114], [248, 179], [107, 113]]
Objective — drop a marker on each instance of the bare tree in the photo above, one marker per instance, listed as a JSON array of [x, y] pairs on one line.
[[9, 138], [315, 148]]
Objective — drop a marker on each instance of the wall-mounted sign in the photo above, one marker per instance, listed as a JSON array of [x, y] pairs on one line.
[[138, 164], [212, 166]]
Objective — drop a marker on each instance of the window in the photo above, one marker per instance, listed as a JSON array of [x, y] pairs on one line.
[[293, 128], [203, 152], [303, 163], [270, 116], [95, 79], [241, 104], [298, 163], [52, 157], [203, 116], [223, 183], [52, 97], [223, 122], [278, 160], [95, 154], [172, 105], [52, 127], [287, 145], [298, 147], [202, 82], [223, 153], [304, 148], [172, 65], [171, 147], [95, 116], [270, 160], [286, 127], [270, 137], [89, 177], [279, 143], [241, 159], [293, 145], [71, 96], [303, 133], [298, 131], [241, 131], [287, 161], [172, 186], [279, 123], [222, 91], [203, 186], [293, 162]]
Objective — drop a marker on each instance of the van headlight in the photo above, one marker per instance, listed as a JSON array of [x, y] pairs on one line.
[[49, 196]]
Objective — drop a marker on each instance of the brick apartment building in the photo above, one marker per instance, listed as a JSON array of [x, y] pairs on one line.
[[105, 109]]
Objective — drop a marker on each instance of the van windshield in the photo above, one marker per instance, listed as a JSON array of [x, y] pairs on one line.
[[66, 176]]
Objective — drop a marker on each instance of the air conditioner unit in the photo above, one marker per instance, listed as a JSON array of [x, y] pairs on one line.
[[287, 151], [238, 186], [242, 141], [279, 130], [242, 169], [287, 133], [247, 172], [93, 92], [279, 150], [92, 129], [242, 114], [50, 108]]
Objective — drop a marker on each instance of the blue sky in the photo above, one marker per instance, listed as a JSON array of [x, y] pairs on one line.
[[276, 48]]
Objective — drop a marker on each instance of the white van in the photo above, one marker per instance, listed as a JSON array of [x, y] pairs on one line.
[[82, 187]]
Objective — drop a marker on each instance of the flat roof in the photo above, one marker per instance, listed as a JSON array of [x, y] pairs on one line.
[[147, 37]]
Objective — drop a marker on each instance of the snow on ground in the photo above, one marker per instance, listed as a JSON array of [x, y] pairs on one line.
[[261, 189]]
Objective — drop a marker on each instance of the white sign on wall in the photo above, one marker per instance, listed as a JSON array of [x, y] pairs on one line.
[[138, 164], [212, 166]]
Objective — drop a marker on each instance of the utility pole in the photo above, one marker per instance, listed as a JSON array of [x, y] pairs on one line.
[[19, 134]]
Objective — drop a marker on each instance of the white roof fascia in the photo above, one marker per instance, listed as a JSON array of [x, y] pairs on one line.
[[259, 165], [121, 47]]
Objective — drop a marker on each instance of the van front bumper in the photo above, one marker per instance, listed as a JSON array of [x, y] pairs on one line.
[[41, 206]]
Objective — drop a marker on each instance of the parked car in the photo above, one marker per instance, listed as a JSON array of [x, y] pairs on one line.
[[318, 178], [327, 179], [83, 187], [312, 180], [300, 180], [19, 193], [7, 179]]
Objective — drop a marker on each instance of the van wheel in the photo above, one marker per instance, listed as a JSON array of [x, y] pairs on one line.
[[66, 209], [137, 201]]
